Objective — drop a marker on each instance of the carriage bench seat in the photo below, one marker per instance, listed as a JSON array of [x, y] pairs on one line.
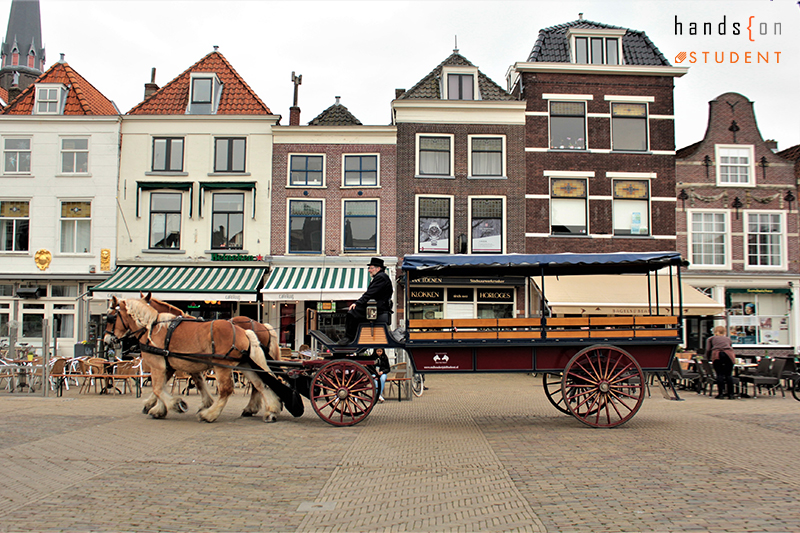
[[398, 376]]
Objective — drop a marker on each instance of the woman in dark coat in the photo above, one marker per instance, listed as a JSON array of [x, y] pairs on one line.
[[720, 350]]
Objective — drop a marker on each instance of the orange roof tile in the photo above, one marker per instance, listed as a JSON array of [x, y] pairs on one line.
[[4, 95], [237, 97], [82, 99]]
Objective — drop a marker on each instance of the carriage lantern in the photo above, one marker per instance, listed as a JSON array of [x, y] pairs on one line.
[[372, 310]]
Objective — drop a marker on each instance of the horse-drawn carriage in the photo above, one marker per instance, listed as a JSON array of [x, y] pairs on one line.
[[593, 366]]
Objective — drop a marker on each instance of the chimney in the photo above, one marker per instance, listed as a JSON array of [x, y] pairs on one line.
[[14, 90], [150, 88], [294, 116], [772, 144], [398, 93], [580, 16]]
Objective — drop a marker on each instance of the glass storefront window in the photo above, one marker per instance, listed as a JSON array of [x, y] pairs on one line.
[[759, 318]]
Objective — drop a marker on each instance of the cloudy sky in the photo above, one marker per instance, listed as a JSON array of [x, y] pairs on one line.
[[363, 50]]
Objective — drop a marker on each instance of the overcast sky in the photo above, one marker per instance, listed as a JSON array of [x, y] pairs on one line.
[[363, 50]]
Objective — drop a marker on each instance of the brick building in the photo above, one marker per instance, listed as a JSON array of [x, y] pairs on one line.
[[333, 207], [460, 183], [599, 140], [737, 224]]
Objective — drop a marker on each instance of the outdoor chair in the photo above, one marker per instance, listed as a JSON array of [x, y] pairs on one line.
[[684, 378], [398, 377], [58, 376], [709, 377], [768, 374]]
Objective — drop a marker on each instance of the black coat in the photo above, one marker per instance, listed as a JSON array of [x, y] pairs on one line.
[[380, 289]]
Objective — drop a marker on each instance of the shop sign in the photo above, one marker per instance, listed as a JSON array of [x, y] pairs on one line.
[[427, 295], [459, 294], [465, 280], [495, 295], [237, 257], [326, 307]]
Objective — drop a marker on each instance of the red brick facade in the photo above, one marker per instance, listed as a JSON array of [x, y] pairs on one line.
[[461, 186], [657, 91], [332, 193]]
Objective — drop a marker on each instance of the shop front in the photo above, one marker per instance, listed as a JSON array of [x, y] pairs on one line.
[[313, 295], [211, 293], [466, 297]]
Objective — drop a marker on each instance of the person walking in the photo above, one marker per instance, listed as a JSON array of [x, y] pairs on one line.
[[380, 289], [720, 350]]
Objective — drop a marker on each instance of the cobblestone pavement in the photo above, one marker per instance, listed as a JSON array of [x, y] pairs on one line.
[[475, 453]]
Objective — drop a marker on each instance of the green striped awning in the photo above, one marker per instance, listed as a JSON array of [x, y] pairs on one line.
[[316, 283], [181, 283]]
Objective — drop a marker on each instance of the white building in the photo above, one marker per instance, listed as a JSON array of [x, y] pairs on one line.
[[194, 194], [60, 139]]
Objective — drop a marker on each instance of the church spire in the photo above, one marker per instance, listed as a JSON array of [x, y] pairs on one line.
[[22, 51]]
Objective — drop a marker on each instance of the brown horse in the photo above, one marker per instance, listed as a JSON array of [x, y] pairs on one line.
[[266, 336], [193, 347]]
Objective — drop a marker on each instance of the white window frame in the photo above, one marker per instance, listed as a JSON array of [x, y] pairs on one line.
[[598, 33], [64, 151], [503, 157], [417, 199], [504, 221], [29, 151], [585, 199], [58, 102], [417, 172], [464, 70], [376, 251], [646, 126], [781, 236], [13, 249], [200, 107], [377, 156], [614, 203], [727, 265], [290, 185], [585, 124], [323, 231], [751, 182], [75, 221]]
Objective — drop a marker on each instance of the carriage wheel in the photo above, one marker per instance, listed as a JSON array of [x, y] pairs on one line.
[[342, 393], [603, 386], [554, 392]]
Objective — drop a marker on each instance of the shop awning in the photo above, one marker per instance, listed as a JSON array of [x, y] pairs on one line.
[[183, 283], [316, 283], [622, 295]]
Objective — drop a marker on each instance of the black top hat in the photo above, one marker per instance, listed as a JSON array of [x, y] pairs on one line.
[[376, 261]]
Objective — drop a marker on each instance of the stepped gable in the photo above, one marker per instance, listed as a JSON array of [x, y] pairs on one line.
[[237, 97], [552, 45], [82, 97], [335, 115], [429, 87]]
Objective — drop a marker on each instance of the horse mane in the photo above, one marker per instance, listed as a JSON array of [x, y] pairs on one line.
[[141, 313]]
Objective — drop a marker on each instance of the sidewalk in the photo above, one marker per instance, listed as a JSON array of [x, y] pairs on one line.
[[475, 453]]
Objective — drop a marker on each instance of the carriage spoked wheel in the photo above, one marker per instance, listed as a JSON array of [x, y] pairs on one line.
[[603, 386], [554, 392], [342, 393]]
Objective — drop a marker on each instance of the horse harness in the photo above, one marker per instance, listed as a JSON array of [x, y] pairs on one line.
[[173, 325]]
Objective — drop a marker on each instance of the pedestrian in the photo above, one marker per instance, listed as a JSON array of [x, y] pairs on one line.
[[380, 289], [720, 350], [382, 369]]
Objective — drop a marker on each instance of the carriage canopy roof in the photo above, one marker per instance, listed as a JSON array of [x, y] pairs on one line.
[[542, 264]]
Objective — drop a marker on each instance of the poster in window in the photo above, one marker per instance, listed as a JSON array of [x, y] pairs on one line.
[[486, 236], [749, 308], [636, 223], [434, 235]]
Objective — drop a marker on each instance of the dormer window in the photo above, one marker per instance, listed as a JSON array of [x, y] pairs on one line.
[[14, 57], [596, 47], [460, 83], [50, 99], [205, 91], [31, 60]]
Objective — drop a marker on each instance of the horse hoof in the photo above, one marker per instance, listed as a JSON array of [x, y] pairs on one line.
[[247, 413], [157, 414], [181, 406], [145, 410], [269, 419]]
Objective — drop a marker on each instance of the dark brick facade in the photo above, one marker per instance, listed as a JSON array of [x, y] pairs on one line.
[[333, 193], [461, 187], [661, 133]]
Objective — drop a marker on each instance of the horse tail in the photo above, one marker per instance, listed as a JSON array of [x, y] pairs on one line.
[[256, 353], [274, 349]]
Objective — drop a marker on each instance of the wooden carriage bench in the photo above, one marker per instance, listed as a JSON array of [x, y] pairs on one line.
[[398, 377], [587, 327]]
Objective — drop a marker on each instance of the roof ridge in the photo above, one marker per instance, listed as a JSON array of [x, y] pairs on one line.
[[241, 79], [437, 67]]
